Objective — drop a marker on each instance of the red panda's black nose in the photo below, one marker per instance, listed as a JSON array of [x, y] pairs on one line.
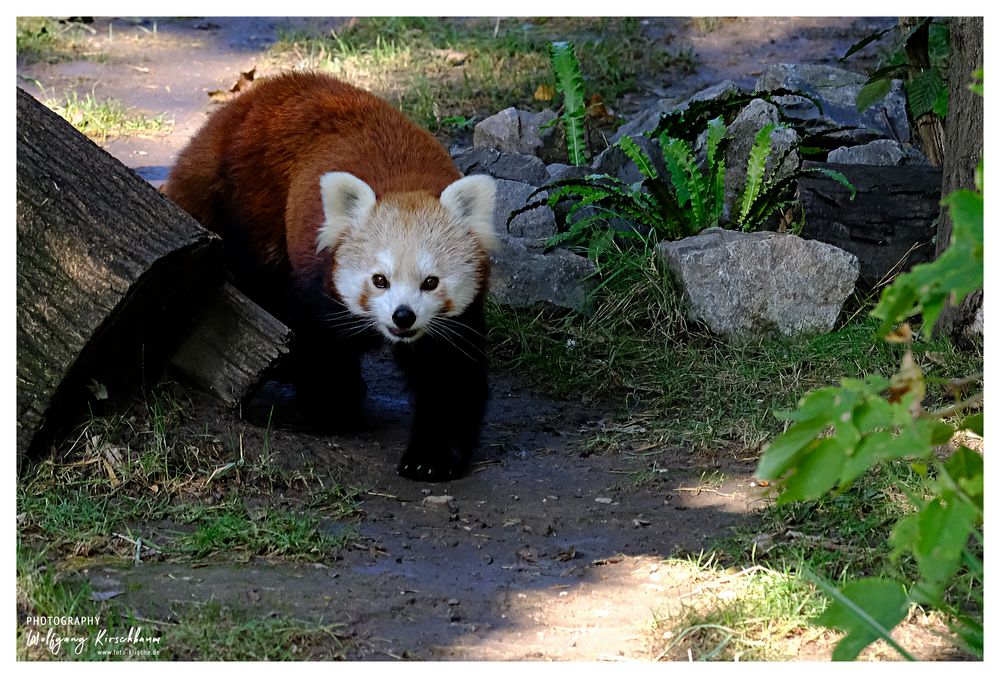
[[404, 317]]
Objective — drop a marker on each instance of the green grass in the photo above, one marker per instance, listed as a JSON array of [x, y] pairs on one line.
[[104, 119], [685, 386], [49, 40], [147, 473], [230, 529], [212, 632], [741, 615], [439, 70], [45, 592]]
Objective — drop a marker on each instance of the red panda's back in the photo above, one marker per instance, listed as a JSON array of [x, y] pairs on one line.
[[255, 165]]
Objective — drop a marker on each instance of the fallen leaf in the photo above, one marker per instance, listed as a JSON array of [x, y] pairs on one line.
[[566, 554], [901, 335], [908, 380], [244, 82], [597, 110], [453, 57], [545, 92]]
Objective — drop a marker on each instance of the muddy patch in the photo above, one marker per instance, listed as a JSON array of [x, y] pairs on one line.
[[543, 551]]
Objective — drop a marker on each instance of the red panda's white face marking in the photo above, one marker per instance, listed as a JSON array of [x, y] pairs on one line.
[[408, 262]]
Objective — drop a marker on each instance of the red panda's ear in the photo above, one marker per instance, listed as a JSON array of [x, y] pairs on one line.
[[470, 200], [347, 202]]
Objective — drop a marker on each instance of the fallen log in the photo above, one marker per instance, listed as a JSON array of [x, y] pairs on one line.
[[110, 274], [233, 345]]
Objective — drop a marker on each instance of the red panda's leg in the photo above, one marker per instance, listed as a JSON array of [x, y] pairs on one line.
[[448, 379], [326, 360]]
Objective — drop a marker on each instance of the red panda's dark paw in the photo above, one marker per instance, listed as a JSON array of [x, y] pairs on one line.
[[431, 469]]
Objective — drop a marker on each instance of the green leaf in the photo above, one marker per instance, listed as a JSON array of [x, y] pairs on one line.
[[569, 82], [789, 447], [965, 468], [836, 176], [923, 92], [974, 423], [941, 105], [716, 133], [945, 524], [816, 473], [867, 610], [871, 93], [865, 41]]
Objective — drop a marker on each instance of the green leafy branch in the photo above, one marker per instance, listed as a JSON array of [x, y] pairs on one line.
[[839, 433]]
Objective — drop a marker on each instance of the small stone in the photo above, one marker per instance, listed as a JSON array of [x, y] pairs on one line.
[[438, 500], [603, 500]]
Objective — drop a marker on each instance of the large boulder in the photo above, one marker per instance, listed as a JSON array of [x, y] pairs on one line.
[[523, 273], [836, 92], [749, 284], [741, 134]]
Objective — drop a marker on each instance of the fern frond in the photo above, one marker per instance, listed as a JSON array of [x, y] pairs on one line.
[[638, 156], [756, 167], [569, 82]]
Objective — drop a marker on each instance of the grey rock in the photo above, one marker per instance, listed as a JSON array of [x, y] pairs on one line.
[[524, 274], [536, 223], [881, 152], [741, 134], [560, 172], [750, 284], [513, 166], [836, 90], [515, 131], [647, 120]]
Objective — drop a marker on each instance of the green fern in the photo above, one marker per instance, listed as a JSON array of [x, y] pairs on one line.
[[569, 82], [679, 201], [756, 170]]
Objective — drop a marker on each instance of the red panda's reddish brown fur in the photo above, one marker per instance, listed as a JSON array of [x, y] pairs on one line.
[[263, 154]]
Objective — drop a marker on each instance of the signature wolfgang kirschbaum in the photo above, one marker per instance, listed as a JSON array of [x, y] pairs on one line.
[[47, 633]]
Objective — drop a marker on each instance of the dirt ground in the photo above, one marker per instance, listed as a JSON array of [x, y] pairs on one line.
[[544, 551]]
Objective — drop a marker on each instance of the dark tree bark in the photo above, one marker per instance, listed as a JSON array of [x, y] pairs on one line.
[[928, 128], [232, 346], [109, 274], [963, 149]]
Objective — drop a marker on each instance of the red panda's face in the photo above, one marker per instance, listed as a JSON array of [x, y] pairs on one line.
[[413, 264]]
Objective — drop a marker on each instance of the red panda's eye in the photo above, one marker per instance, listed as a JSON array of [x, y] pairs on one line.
[[429, 283], [380, 281]]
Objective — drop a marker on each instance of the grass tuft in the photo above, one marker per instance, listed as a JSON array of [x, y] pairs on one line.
[[103, 119], [446, 71]]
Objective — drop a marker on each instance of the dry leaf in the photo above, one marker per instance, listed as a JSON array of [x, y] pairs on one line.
[[596, 110], [453, 57], [901, 335], [909, 379], [545, 93], [224, 95]]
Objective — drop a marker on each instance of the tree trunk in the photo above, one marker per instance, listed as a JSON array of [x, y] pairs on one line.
[[928, 128], [109, 274], [964, 147]]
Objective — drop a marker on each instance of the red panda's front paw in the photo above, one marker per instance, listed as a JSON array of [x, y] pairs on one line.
[[431, 468]]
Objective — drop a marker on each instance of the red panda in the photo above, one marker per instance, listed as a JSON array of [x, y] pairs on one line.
[[350, 222]]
